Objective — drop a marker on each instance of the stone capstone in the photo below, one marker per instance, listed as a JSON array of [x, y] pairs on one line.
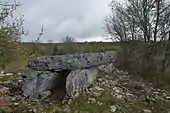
[[71, 61]]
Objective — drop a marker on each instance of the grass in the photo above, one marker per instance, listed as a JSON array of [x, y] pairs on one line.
[[5, 78], [19, 64]]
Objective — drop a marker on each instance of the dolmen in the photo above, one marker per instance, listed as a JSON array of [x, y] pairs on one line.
[[80, 71]]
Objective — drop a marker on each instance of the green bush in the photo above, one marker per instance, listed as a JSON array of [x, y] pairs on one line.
[[132, 58]]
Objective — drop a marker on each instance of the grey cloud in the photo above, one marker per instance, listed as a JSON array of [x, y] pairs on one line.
[[81, 19]]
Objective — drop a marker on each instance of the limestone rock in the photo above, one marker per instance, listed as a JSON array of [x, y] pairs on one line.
[[72, 61], [78, 81], [113, 108], [91, 100], [45, 94], [147, 111], [38, 82], [9, 74]]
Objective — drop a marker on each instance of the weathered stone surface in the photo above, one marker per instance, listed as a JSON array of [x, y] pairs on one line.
[[78, 81], [38, 82], [75, 82], [72, 61], [45, 94]]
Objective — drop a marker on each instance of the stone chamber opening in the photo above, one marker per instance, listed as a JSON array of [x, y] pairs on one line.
[[59, 91]]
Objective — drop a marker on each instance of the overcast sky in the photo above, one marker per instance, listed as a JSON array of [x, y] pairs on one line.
[[82, 19]]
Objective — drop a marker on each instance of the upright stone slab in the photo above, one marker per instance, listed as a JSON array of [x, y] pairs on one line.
[[72, 61], [78, 81], [37, 83]]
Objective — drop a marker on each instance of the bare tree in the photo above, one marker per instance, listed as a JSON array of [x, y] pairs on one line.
[[68, 39], [68, 45], [147, 21], [38, 40], [10, 31], [138, 16], [37, 49]]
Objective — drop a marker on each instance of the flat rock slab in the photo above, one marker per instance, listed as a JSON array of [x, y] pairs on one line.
[[71, 61]]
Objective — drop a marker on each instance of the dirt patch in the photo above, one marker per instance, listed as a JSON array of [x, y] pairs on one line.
[[4, 100]]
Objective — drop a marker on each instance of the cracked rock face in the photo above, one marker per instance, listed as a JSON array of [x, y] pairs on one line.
[[78, 81], [72, 61], [38, 82]]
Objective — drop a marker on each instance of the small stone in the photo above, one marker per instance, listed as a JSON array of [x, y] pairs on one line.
[[168, 98], [106, 81], [4, 89], [119, 96], [30, 110], [99, 80], [19, 73], [76, 95], [34, 110], [16, 104], [99, 103], [112, 83], [13, 99], [96, 94], [113, 108], [19, 81], [116, 90], [107, 76], [147, 111], [9, 74], [2, 72], [107, 85], [99, 88], [92, 100], [103, 83]]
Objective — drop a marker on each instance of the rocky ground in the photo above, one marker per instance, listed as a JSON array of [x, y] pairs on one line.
[[113, 92]]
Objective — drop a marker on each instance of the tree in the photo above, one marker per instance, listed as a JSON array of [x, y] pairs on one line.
[[10, 32], [55, 50], [68, 46], [36, 49], [138, 20], [68, 39], [139, 25]]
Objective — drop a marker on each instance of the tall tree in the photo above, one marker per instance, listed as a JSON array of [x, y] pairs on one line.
[[10, 31], [144, 21]]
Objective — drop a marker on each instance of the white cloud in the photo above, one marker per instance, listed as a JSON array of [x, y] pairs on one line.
[[81, 19]]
